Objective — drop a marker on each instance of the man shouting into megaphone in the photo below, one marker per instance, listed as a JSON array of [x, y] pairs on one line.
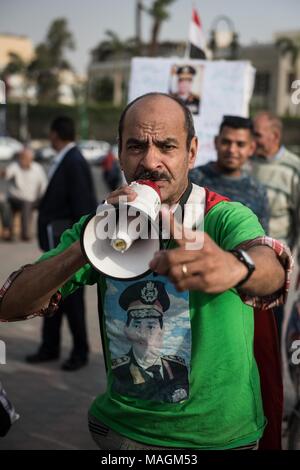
[[192, 313]]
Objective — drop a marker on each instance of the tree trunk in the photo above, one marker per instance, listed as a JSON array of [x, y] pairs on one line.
[[154, 38], [138, 23]]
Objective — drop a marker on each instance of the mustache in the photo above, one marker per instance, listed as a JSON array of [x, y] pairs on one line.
[[152, 176]]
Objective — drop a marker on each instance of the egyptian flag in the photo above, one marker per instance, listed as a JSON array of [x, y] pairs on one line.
[[196, 37]]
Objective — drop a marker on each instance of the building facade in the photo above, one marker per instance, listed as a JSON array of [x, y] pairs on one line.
[[275, 73]]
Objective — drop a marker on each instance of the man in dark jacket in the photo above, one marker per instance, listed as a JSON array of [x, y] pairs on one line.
[[69, 196]]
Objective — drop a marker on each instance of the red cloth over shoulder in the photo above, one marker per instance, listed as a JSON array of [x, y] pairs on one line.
[[268, 359]]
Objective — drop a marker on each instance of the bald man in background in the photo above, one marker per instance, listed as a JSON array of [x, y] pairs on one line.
[[278, 170], [27, 183]]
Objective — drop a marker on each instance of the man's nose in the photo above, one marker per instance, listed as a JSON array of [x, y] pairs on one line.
[[232, 147], [151, 159], [145, 331]]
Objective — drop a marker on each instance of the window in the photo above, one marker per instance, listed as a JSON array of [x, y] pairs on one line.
[[291, 77], [262, 83]]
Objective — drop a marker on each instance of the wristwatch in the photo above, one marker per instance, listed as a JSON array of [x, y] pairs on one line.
[[246, 259]]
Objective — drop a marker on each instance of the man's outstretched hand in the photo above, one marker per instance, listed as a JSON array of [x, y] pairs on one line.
[[198, 263]]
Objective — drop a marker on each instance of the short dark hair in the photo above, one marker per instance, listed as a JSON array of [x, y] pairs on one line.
[[237, 122], [188, 118], [64, 127]]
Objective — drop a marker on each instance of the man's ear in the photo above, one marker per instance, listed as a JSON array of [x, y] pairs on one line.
[[277, 136], [253, 147], [120, 160], [216, 141], [193, 152]]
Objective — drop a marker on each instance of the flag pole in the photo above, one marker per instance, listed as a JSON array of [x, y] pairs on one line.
[[187, 54]]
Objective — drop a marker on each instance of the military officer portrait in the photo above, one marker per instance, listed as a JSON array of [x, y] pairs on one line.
[[182, 88], [144, 372]]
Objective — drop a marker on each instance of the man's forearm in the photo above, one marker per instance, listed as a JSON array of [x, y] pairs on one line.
[[34, 287], [269, 275]]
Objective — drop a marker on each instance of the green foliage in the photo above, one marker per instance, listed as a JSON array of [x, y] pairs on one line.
[[102, 118], [58, 40], [49, 60], [102, 121], [103, 90], [113, 45], [159, 12], [16, 65], [289, 46]]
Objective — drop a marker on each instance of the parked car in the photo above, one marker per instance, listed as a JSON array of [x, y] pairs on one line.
[[9, 147], [94, 150], [44, 154]]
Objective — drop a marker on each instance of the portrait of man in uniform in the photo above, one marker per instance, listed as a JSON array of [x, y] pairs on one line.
[[144, 372], [186, 84]]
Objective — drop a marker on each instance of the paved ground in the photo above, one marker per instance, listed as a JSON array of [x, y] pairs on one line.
[[53, 404]]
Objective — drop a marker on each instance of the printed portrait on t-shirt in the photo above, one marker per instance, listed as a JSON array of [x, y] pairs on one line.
[[148, 329]]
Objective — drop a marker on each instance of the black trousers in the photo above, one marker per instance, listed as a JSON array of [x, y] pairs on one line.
[[26, 208], [73, 308]]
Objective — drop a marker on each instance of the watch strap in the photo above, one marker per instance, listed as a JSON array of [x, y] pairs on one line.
[[251, 267]]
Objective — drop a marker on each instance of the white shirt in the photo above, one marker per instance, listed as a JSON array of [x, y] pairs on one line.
[[26, 184], [59, 158]]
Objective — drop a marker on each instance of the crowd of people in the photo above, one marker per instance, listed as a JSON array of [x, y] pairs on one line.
[[198, 329]]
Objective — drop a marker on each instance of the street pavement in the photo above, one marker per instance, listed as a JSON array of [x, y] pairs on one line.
[[52, 404]]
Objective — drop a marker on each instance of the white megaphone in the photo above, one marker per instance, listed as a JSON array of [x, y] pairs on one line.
[[120, 241]]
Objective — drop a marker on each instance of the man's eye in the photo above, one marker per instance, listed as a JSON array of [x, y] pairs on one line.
[[168, 147], [134, 147]]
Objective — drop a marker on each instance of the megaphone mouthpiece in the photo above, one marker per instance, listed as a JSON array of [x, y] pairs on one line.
[[127, 253]]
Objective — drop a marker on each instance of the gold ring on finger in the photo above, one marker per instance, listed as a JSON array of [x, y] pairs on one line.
[[184, 269]]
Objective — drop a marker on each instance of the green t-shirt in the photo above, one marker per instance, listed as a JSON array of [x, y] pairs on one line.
[[203, 390]]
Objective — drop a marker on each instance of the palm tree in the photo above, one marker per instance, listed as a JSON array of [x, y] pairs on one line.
[[159, 13], [290, 46], [113, 45], [17, 66], [50, 59]]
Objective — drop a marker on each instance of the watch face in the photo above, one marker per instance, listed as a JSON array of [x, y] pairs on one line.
[[247, 259]]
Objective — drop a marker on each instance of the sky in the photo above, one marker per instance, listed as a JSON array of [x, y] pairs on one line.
[[255, 21]]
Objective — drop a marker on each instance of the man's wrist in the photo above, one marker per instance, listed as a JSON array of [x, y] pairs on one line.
[[245, 260], [79, 257], [238, 270]]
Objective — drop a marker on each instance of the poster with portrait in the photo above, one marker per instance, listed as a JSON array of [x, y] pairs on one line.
[[186, 85], [213, 89]]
